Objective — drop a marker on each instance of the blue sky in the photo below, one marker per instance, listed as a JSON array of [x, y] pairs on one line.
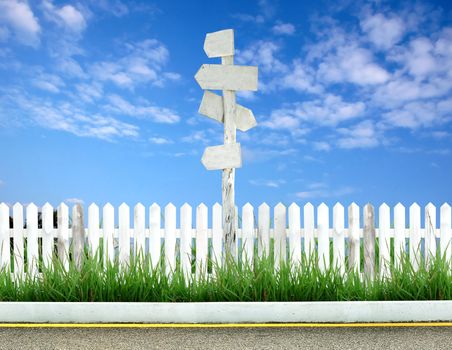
[[98, 102]]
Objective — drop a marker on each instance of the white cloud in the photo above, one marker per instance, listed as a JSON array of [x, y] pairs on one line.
[[259, 19], [262, 54], [353, 65], [142, 63], [322, 190], [68, 117], [49, 82], [301, 78], [66, 16], [263, 154], [321, 146], [267, 183], [383, 31], [89, 92], [284, 29], [414, 115], [147, 111], [74, 201], [361, 135], [18, 16], [159, 140], [329, 111]]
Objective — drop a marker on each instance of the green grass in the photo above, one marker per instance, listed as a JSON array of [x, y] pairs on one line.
[[232, 282]]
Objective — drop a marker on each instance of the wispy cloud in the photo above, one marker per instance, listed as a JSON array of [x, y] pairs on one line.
[[322, 190], [267, 183], [283, 29], [67, 17], [158, 140]]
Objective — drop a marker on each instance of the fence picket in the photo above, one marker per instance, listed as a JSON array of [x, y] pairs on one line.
[[415, 235], [309, 241], [280, 234], [154, 234], [185, 240], [353, 237], [383, 240], [263, 243], [47, 234], [399, 234], [18, 236], [294, 236], [323, 237], [201, 241], [139, 225], [78, 234], [217, 236], [446, 232], [93, 228], [63, 235], [248, 234], [108, 226], [338, 238], [4, 237], [32, 239], [170, 238], [124, 235], [369, 241], [430, 236]]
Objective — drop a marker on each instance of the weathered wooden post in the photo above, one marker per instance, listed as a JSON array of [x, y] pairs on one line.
[[228, 78]]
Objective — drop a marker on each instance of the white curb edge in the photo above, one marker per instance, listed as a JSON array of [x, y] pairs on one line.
[[227, 312]]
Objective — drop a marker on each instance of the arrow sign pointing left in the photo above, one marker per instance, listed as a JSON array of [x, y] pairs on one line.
[[222, 157], [227, 77]]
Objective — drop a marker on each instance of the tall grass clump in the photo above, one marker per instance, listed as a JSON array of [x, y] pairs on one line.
[[137, 281]]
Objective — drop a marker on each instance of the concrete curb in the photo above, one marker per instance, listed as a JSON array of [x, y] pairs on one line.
[[227, 312]]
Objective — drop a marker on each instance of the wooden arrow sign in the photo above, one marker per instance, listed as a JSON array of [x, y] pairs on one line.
[[219, 44], [212, 107], [222, 157], [227, 77]]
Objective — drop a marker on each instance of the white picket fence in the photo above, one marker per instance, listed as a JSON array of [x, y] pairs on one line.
[[290, 238]]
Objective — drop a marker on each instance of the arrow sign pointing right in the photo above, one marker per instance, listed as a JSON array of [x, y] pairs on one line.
[[222, 157], [227, 77], [212, 107]]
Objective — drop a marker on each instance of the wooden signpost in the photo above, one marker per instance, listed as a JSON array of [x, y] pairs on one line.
[[229, 78]]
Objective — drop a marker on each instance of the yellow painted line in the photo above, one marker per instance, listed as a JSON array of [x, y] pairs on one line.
[[224, 325]]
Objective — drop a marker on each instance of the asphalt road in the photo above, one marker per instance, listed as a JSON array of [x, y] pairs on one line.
[[226, 338]]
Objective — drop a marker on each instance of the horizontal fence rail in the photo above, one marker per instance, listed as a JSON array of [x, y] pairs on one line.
[[29, 237]]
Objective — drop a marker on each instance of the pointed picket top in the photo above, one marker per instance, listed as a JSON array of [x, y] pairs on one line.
[[202, 206], [368, 210], [414, 207], [93, 214], [399, 207], [47, 217], [170, 207], [63, 206], [354, 206], [3, 206], [108, 206], [384, 207], [280, 206], [430, 207], [30, 207], [294, 207], [17, 207], [248, 207], [154, 206], [185, 206], [309, 206], [216, 206], [139, 206], [445, 207], [93, 206], [264, 206], [322, 206], [338, 206], [123, 207]]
